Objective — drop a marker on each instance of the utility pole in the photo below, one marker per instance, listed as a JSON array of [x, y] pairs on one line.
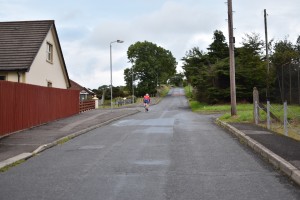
[[267, 53], [231, 57], [132, 84]]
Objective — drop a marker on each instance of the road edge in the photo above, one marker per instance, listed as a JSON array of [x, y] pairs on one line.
[[278, 162]]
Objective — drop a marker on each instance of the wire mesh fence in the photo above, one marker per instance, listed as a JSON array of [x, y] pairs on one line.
[[282, 119]]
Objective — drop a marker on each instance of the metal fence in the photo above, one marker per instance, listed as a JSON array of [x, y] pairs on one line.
[[23, 106], [281, 118]]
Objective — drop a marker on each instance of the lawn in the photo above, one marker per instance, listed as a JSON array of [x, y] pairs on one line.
[[244, 111]]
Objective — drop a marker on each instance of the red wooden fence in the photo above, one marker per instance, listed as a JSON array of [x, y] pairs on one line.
[[23, 106], [86, 105]]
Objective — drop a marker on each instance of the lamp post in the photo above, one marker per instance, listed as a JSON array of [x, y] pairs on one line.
[[111, 103]]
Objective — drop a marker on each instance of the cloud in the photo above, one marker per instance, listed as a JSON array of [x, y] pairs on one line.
[[281, 18], [86, 28], [175, 26]]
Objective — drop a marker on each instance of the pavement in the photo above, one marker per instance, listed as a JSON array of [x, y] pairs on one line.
[[282, 152]]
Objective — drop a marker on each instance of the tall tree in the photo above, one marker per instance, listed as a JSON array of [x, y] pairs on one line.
[[285, 60], [193, 62], [177, 79], [218, 88], [218, 49], [209, 72], [151, 65], [251, 70]]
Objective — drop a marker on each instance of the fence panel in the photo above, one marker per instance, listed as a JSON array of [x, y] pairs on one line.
[[86, 105], [283, 119], [23, 106]]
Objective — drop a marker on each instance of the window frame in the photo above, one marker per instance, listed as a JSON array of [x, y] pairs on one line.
[[49, 51]]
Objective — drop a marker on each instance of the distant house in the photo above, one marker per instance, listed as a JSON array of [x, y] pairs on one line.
[[85, 94], [30, 53]]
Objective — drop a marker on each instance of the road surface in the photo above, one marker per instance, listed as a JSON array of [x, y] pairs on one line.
[[166, 153]]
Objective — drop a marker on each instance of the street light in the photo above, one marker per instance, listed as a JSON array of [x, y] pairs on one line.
[[111, 104]]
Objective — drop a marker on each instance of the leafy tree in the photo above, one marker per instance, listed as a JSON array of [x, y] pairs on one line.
[[209, 72], [217, 75], [128, 78], [118, 91], [285, 61], [151, 65], [177, 79], [251, 70], [101, 89], [284, 52], [192, 64]]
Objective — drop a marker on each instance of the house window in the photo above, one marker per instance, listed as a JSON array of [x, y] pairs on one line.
[[49, 52], [2, 78], [49, 84]]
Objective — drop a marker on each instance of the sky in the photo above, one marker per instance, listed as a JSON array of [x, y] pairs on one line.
[[87, 27]]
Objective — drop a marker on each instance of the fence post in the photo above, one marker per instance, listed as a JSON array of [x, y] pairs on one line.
[[96, 101], [268, 115], [285, 122], [255, 107], [256, 112]]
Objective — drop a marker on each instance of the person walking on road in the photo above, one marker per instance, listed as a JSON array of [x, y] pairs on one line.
[[146, 102]]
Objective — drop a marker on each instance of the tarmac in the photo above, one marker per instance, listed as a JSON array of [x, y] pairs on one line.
[[280, 151], [26, 143]]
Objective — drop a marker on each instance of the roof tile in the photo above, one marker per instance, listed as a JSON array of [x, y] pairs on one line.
[[20, 42]]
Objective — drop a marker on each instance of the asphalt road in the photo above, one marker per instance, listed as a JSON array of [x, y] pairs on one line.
[[166, 153]]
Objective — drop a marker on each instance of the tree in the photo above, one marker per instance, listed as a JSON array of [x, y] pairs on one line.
[[151, 65], [177, 80], [251, 70], [192, 64], [285, 61], [104, 89], [218, 81], [209, 72], [218, 49]]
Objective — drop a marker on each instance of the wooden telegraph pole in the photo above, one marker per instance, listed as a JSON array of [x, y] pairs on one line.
[[231, 56]]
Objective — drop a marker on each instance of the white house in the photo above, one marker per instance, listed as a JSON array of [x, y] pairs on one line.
[[30, 53]]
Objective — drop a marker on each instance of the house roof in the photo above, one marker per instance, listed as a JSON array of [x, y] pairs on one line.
[[76, 86], [20, 42]]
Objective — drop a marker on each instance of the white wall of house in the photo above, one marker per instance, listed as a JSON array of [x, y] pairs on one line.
[[12, 76], [41, 71]]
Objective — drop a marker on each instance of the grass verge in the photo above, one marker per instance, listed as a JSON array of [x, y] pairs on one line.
[[245, 115], [63, 140], [4, 169]]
